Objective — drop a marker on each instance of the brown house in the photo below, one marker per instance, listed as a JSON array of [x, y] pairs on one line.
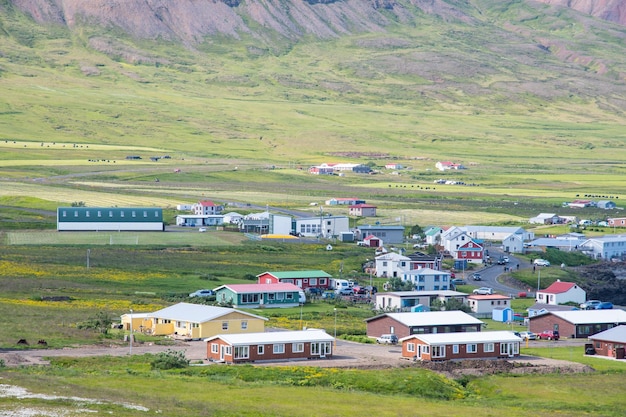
[[269, 346], [610, 342], [448, 346], [406, 324], [577, 323]]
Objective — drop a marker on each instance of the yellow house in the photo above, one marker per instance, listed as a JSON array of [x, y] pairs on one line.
[[195, 321]]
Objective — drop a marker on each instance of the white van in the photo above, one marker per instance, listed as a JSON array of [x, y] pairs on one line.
[[301, 297]]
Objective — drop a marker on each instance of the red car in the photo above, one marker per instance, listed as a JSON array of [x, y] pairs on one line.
[[548, 335]]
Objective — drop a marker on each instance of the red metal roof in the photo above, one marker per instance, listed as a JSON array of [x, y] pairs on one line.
[[255, 288], [559, 287], [207, 204]]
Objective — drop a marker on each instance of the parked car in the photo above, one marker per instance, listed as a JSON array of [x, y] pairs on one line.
[[346, 291], [476, 276], [483, 291], [202, 293], [604, 306], [548, 335], [541, 262], [528, 335], [387, 339], [458, 281], [590, 304], [202, 229]]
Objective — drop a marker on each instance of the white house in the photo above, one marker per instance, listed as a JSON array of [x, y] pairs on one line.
[[232, 217], [322, 226], [545, 218], [484, 304], [497, 233], [461, 245], [405, 300], [392, 265], [605, 247], [513, 244], [203, 208], [433, 235], [561, 292], [426, 279]]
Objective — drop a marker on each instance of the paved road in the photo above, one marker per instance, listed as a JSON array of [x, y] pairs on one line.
[[490, 274]]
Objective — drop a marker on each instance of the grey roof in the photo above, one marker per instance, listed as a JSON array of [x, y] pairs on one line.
[[465, 337], [616, 334], [615, 315], [196, 313], [431, 318], [550, 307], [413, 294], [312, 335]]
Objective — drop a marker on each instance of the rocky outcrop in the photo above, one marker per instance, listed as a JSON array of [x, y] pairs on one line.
[[194, 20], [611, 10]]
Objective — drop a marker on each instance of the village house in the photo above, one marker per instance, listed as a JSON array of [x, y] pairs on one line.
[[447, 165], [326, 226], [450, 346], [390, 234], [606, 205], [260, 295], [497, 233], [304, 279], [577, 323], [610, 343], [270, 346], [195, 220], [193, 321], [406, 324], [426, 279], [344, 201], [203, 208], [362, 210], [546, 218], [408, 300], [483, 305], [542, 308], [561, 292], [605, 247]]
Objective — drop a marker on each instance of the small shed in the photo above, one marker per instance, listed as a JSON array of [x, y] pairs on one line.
[[502, 314], [346, 236]]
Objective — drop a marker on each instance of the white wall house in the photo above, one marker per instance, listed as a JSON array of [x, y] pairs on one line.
[[427, 279], [561, 292], [497, 233], [605, 247], [392, 265], [322, 226], [484, 304], [206, 207], [513, 244]]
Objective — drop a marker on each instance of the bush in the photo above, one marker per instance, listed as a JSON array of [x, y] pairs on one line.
[[170, 359]]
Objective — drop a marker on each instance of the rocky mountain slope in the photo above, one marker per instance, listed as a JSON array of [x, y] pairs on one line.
[[611, 10]]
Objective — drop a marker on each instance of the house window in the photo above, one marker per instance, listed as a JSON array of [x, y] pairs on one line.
[[439, 352], [322, 281], [384, 263], [145, 214], [455, 349], [410, 347], [215, 348], [279, 348], [195, 325], [297, 347], [289, 296], [271, 296], [250, 298], [242, 352], [261, 349], [281, 296], [64, 213], [110, 213], [244, 325], [87, 213], [228, 351], [156, 214], [99, 213], [179, 324], [133, 213], [489, 347], [224, 325], [75, 213], [471, 348], [426, 349], [313, 282], [121, 214]]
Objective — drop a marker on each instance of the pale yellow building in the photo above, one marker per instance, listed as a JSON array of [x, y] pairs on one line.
[[194, 321]]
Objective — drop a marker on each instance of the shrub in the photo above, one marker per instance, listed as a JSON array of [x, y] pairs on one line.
[[170, 359]]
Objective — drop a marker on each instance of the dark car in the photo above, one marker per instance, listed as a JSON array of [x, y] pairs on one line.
[[476, 277], [548, 335]]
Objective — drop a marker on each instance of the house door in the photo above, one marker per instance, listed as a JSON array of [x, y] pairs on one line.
[[222, 351], [299, 283], [419, 351], [506, 348]]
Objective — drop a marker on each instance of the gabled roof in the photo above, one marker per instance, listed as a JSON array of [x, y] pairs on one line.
[[589, 316], [616, 334], [465, 337], [298, 274], [392, 256], [559, 287], [550, 307], [362, 205], [415, 294], [196, 313], [431, 318], [426, 271], [260, 288], [240, 339], [207, 204]]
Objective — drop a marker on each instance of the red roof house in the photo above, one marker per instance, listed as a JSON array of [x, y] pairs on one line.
[[561, 292]]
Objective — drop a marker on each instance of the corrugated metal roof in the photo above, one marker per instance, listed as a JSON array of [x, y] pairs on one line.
[[559, 287], [616, 334], [298, 274], [466, 337], [261, 288], [196, 313], [433, 318], [313, 335], [591, 316]]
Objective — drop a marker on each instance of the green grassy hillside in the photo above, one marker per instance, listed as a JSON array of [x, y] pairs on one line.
[[530, 98]]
